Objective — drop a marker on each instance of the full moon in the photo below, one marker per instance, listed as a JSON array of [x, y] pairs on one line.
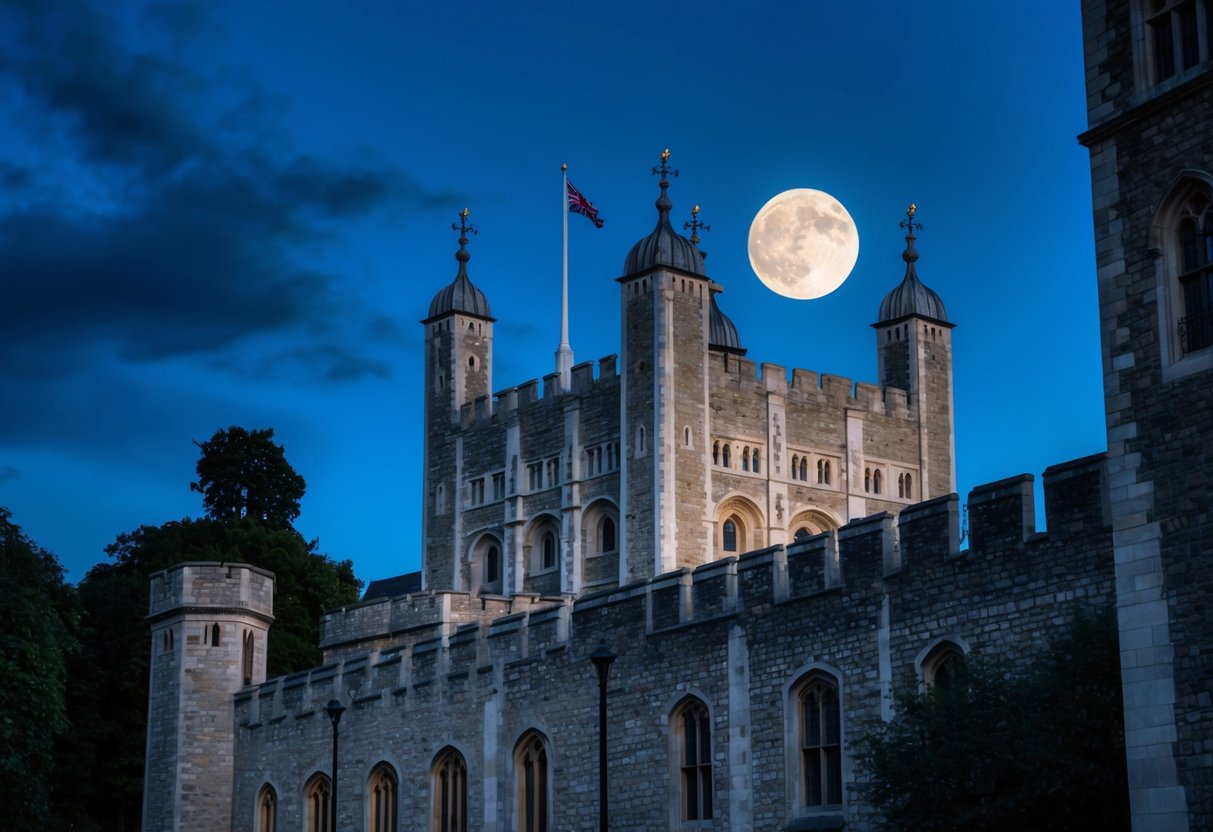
[[803, 244]]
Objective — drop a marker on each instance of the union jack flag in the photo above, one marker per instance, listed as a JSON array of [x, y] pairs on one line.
[[578, 204]]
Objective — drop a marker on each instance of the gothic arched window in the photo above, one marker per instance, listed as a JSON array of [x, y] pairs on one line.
[[715, 453], [247, 658], [804, 468], [876, 481], [795, 466], [606, 535], [745, 459], [531, 791], [381, 798], [729, 536], [450, 792], [316, 796], [820, 741], [724, 455], [267, 809], [549, 550], [691, 732]]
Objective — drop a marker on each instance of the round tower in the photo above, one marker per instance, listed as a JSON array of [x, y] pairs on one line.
[[914, 353], [209, 624], [458, 371]]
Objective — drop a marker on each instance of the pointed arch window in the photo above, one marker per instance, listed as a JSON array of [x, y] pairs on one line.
[[606, 535], [450, 792], [267, 809], [691, 730], [492, 564], [820, 741], [531, 763], [715, 453], [909, 486], [867, 479], [729, 535], [745, 459], [876, 481], [724, 455], [804, 468], [941, 665], [755, 466], [215, 631], [1196, 275], [381, 798], [316, 796], [168, 639], [795, 466], [549, 550]]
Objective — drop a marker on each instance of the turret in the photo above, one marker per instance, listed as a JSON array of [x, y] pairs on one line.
[[914, 353], [209, 623], [666, 301], [458, 370]]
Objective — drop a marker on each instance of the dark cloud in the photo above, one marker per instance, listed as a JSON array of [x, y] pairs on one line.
[[8, 472], [210, 223]]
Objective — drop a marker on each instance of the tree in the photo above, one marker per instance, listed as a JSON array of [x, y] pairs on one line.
[[252, 495], [37, 614], [244, 473], [995, 750]]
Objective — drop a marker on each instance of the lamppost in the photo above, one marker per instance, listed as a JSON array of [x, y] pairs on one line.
[[602, 657], [334, 709]]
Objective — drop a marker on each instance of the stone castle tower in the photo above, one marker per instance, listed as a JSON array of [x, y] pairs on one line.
[[1149, 70], [680, 452], [209, 624]]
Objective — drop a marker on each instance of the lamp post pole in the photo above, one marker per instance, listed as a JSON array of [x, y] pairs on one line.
[[602, 657], [334, 709]]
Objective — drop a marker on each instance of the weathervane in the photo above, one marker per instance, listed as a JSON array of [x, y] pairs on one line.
[[695, 225], [908, 223], [463, 228], [664, 170]]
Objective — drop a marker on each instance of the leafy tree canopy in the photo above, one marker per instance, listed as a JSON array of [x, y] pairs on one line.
[[244, 474], [993, 750], [37, 616]]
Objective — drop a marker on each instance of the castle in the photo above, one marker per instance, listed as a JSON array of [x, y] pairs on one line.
[[764, 553]]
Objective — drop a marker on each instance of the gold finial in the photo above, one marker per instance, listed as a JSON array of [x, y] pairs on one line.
[[564, 167], [664, 170], [908, 223], [665, 154], [464, 213], [695, 226]]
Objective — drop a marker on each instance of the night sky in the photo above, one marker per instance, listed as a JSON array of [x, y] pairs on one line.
[[218, 214]]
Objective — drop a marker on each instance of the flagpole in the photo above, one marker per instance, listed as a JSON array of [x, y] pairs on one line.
[[564, 353]]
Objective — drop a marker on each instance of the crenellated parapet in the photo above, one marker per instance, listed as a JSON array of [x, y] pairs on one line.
[[913, 562], [506, 403]]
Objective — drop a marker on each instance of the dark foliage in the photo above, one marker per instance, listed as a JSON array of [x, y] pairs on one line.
[[995, 750], [37, 617], [244, 474]]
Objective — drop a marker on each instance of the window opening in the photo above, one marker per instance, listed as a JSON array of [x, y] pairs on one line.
[[821, 746]]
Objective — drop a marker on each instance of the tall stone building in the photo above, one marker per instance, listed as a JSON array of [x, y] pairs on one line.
[[1149, 68]]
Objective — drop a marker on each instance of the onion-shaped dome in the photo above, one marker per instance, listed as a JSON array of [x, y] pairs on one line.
[[722, 332], [911, 297], [664, 246], [460, 295]]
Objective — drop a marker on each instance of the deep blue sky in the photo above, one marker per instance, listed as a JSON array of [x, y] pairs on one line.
[[237, 213]]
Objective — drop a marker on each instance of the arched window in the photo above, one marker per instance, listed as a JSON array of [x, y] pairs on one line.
[[691, 732], [549, 550], [745, 459], [492, 564], [531, 791], [795, 466], [827, 480], [821, 471], [381, 799], [715, 453], [215, 635], [901, 485], [820, 741], [909, 486], [247, 658], [940, 666], [867, 479], [1196, 275], [724, 455], [316, 796], [754, 464], [267, 809], [804, 468], [606, 535], [168, 639], [729, 536], [450, 779], [802, 534], [876, 481]]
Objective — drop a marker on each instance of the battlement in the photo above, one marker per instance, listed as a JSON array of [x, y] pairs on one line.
[[426, 637], [808, 386], [196, 586], [504, 403]]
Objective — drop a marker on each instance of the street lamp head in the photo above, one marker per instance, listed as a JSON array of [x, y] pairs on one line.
[[334, 709], [602, 657]]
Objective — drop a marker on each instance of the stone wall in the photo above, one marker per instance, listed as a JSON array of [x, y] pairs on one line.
[[737, 634]]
